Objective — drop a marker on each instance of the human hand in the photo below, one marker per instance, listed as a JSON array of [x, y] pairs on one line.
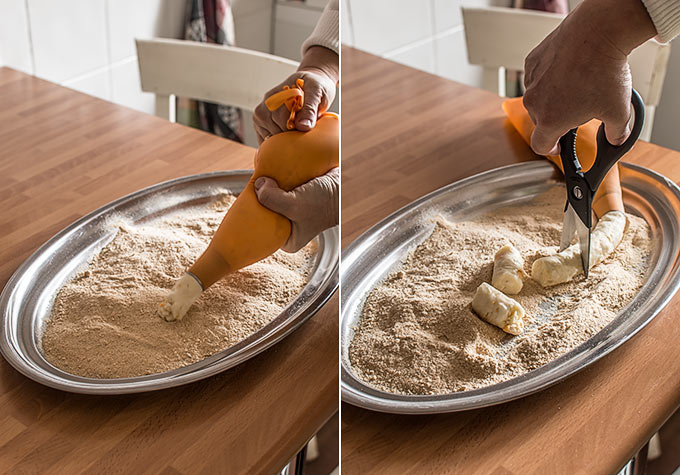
[[311, 207], [319, 70], [580, 72]]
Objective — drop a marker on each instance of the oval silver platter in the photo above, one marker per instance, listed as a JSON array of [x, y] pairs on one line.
[[369, 259], [26, 301]]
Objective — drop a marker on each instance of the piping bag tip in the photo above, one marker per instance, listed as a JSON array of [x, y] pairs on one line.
[[293, 97]]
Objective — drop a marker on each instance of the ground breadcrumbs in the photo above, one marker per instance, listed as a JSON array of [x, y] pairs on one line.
[[418, 334], [104, 322]]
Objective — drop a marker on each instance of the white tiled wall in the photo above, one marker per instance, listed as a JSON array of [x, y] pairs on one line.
[[429, 35], [424, 34], [142, 19], [69, 37], [96, 83], [346, 26], [666, 130], [87, 45], [294, 23], [385, 26], [125, 88], [452, 60], [252, 22], [15, 43]]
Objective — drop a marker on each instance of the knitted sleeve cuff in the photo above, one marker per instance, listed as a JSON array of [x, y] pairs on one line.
[[665, 15], [326, 31]]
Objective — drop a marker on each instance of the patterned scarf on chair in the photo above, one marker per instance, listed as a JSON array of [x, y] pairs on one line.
[[554, 6], [210, 21]]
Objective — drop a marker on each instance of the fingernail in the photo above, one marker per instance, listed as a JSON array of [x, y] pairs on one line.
[[258, 183], [306, 123]]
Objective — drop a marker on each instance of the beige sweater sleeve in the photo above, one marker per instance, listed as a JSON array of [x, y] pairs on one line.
[[665, 15], [326, 32]]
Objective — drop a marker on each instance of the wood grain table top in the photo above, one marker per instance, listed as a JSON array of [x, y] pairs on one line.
[[62, 155], [406, 133]]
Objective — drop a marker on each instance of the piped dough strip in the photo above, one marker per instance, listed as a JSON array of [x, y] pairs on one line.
[[565, 265], [507, 270], [498, 309], [182, 296]]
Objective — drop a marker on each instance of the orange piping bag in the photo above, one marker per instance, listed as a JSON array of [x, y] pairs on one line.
[[250, 232]]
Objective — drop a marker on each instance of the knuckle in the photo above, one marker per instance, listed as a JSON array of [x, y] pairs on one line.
[[260, 112], [548, 117], [529, 99]]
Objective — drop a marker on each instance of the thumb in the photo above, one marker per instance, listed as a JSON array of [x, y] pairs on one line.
[[306, 117], [545, 143], [271, 196]]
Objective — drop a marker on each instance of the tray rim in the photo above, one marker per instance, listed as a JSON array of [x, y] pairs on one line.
[[170, 379], [380, 401]]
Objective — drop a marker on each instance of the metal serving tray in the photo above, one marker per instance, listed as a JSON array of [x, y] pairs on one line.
[[27, 299], [369, 259]]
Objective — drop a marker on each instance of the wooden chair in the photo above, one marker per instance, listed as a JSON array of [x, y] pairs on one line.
[[498, 39], [214, 73]]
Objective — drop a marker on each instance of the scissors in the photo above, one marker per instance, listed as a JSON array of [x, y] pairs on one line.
[[581, 186]]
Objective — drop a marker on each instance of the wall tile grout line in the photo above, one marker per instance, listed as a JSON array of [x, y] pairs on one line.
[[408, 47], [348, 4], [102, 69], [423, 41], [30, 37], [433, 27], [109, 56]]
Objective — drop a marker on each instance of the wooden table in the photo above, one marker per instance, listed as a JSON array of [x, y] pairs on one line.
[[406, 133], [63, 154]]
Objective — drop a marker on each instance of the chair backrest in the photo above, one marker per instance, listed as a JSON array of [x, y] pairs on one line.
[[501, 38], [208, 72]]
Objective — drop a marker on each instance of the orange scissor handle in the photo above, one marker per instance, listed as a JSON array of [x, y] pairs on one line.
[[608, 196], [292, 97]]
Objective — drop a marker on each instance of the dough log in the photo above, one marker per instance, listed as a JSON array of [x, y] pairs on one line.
[[182, 296], [498, 309], [565, 265], [507, 270]]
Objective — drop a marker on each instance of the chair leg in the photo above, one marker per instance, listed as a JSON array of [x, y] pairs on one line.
[[493, 80], [165, 107]]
